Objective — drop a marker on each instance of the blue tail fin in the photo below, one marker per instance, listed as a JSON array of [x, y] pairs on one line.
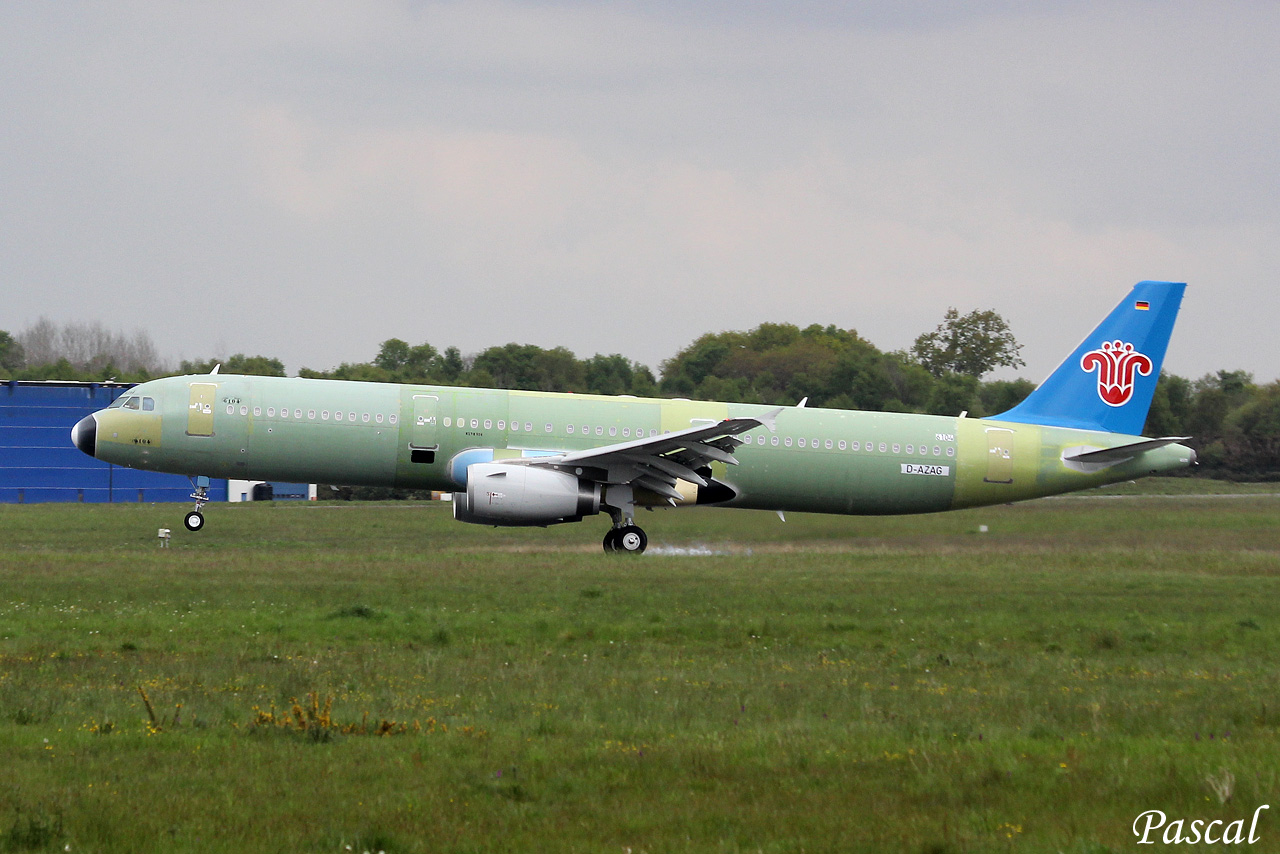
[[1108, 382]]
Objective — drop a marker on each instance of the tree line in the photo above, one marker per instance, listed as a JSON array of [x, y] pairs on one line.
[[1233, 421]]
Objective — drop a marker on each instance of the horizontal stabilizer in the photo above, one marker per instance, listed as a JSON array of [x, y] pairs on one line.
[[1110, 456]]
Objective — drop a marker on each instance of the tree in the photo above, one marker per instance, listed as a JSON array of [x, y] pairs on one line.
[[972, 345], [1170, 407], [90, 348], [998, 396], [452, 364], [1251, 437], [262, 366], [529, 367], [393, 356], [952, 394], [11, 355]]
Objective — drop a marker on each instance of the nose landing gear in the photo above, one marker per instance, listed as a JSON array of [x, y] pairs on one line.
[[194, 521]]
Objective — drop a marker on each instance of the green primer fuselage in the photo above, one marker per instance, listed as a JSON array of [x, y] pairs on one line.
[[411, 436]]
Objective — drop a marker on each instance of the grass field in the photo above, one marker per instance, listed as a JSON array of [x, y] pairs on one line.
[[332, 677]]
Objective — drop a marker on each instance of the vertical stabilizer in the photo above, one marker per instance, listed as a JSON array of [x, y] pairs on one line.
[[1108, 382]]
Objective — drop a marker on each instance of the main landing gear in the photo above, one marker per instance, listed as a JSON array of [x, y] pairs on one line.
[[194, 521], [626, 539]]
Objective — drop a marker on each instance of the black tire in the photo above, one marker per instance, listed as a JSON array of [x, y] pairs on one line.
[[194, 521], [630, 539], [611, 541]]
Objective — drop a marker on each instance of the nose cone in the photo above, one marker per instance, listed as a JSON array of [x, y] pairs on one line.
[[85, 435]]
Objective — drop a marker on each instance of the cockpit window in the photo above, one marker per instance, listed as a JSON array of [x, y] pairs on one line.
[[117, 403], [148, 404], [133, 403]]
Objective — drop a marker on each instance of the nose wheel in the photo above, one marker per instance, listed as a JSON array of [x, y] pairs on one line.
[[194, 520], [628, 539]]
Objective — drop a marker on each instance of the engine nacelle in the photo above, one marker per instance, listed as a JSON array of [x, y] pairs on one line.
[[515, 495]]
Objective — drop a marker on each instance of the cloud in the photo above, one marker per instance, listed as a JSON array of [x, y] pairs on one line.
[[622, 178]]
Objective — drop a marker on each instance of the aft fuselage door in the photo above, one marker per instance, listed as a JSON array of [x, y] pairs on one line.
[[425, 433], [200, 412], [999, 455]]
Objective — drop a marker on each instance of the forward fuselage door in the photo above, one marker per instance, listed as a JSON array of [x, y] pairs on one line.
[[200, 411], [999, 455], [425, 434]]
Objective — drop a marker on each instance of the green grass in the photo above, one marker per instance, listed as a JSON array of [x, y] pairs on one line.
[[894, 684]]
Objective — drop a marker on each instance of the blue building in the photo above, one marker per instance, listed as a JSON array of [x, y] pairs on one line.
[[38, 463]]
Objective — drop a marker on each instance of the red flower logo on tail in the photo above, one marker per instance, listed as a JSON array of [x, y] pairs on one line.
[[1117, 363]]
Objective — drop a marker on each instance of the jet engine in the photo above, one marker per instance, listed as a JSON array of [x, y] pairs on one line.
[[516, 495]]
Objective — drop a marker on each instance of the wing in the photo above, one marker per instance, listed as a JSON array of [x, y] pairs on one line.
[[657, 462]]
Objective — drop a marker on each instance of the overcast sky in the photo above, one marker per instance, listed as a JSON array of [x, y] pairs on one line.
[[305, 180]]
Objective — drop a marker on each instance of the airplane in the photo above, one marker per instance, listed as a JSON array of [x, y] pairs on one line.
[[523, 458]]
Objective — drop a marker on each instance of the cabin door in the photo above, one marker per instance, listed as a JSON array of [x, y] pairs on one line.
[[425, 433], [999, 455], [200, 410]]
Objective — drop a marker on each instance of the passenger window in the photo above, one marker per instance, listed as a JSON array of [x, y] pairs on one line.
[[788, 441], [801, 443], [599, 431], [844, 445], [528, 427]]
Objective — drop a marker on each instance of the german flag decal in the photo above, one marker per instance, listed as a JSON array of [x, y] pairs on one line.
[[1142, 305]]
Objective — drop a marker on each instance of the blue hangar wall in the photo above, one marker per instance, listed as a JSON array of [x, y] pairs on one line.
[[38, 463]]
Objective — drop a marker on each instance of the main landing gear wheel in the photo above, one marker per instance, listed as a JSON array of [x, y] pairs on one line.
[[629, 539], [194, 520]]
